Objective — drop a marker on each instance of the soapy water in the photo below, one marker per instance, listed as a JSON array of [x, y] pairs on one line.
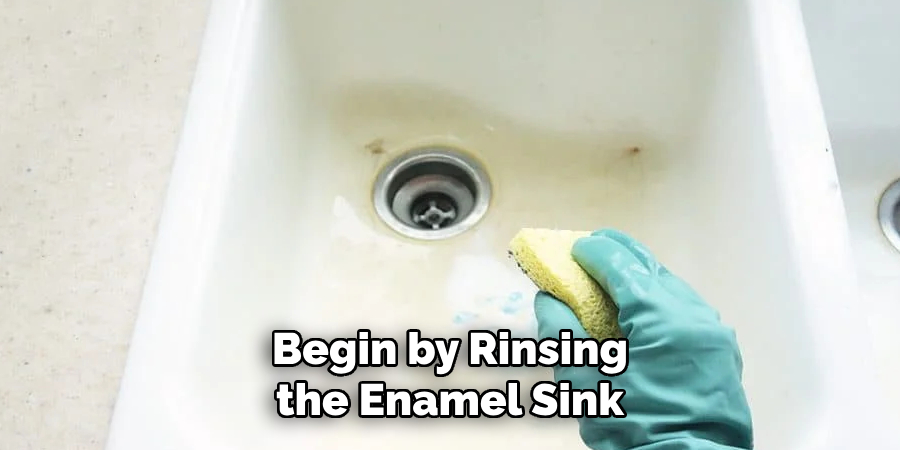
[[513, 311], [484, 292]]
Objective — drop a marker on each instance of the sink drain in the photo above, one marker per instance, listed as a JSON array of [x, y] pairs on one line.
[[889, 213], [432, 193]]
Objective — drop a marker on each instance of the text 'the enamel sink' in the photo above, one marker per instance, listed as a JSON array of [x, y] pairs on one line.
[[694, 126]]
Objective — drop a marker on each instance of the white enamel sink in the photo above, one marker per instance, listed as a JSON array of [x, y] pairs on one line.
[[856, 51], [695, 126]]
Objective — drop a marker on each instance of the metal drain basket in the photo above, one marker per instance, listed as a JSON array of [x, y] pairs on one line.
[[432, 193]]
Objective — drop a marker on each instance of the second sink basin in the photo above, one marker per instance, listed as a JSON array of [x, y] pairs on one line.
[[856, 51]]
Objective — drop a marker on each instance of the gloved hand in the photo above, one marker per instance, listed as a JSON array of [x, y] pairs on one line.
[[683, 382]]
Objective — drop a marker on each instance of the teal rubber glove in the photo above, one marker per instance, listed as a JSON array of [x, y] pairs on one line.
[[683, 382]]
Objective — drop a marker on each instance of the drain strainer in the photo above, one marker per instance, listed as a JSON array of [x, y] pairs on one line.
[[889, 213], [432, 193]]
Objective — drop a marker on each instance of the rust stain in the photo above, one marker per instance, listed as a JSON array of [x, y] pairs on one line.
[[376, 147]]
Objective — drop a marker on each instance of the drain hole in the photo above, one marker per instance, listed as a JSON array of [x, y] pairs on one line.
[[433, 201], [432, 193], [889, 214], [433, 210]]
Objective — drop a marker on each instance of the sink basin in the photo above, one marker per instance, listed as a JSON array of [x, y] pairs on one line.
[[856, 57], [695, 127]]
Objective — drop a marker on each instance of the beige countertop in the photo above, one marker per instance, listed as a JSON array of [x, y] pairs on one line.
[[93, 93]]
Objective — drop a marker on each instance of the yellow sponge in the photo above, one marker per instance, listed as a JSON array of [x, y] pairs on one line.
[[545, 257]]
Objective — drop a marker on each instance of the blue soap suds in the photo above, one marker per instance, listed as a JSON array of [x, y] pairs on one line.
[[513, 303], [464, 317], [495, 312]]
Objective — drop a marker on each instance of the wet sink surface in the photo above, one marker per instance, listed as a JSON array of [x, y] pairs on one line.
[[681, 124]]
